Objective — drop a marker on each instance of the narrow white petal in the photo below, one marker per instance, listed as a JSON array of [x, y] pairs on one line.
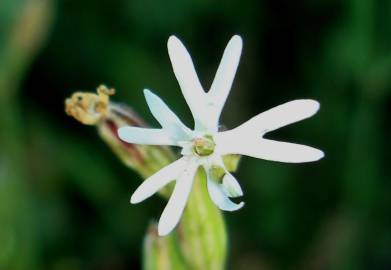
[[225, 75], [148, 136], [220, 199], [281, 116], [186, 75], [268, 149], [167, 118], [158, 180], [231, 186], [175, 206]]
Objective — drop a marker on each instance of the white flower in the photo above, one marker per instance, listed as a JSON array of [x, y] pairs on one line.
[[205, 145]]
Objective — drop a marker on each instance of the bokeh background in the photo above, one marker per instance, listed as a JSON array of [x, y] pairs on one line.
[[64, 195]]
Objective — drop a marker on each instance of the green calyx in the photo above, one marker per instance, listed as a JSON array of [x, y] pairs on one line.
[[204, 146]]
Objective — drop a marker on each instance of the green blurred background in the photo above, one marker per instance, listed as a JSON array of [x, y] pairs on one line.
[[64, 195]]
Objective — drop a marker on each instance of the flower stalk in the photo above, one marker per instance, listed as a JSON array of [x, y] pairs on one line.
[[161, 253]]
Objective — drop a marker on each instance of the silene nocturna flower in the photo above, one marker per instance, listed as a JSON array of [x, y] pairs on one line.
[[206, 145]]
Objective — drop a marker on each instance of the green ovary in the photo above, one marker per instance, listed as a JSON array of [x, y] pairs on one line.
[[204, 146]]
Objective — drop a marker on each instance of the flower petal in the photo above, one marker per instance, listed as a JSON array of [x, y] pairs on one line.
[[280, 116], [175, 206], [148, 136], [267, 149], [158, 180], [220, 199], [186, 75], [167, 118], [225, 75], [231, 186], [247, 138]]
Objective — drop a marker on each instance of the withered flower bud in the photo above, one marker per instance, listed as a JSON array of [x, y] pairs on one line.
[[97, 110]]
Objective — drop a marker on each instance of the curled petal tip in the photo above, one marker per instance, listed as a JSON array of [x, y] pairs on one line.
[[231, 186], [241, 204], [220, 198], [238, 206]]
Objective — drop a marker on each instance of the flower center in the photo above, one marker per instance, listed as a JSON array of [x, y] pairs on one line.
[[203, 146]]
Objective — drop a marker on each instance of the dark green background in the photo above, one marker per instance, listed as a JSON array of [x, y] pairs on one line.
[[64, 195]]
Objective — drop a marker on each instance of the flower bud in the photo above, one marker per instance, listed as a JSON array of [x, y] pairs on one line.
[[108, 117]]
